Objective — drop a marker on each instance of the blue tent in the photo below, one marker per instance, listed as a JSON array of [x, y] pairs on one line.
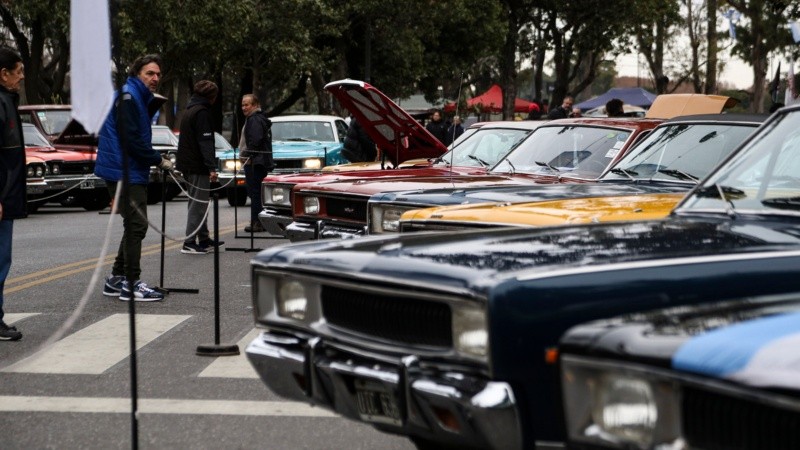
[[632, 96]]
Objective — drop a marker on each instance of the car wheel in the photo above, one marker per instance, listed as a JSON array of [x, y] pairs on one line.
[[237, 196]]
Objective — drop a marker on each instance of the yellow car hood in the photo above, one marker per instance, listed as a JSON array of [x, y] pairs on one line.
[[556, 212]]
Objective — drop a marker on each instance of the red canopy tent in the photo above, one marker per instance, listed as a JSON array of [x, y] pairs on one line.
[[491, 101]]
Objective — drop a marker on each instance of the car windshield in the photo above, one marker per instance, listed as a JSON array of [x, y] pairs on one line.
[[32, 136], [54, 121], [303, 131], [763, 177], [221, 144], [484, 148], [467, 133], [163, 136], [680, 152], [582, 151]]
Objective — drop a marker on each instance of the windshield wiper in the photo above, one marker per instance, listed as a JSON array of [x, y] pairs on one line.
[[627, 172], [544, 164], [482, 162], [782, 202], [679, 174], [723, 194]]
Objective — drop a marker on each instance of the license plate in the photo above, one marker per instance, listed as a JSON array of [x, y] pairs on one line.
[[375, 404], [87, 184]]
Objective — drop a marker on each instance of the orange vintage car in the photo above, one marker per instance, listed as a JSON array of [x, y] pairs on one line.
[[646, 184]]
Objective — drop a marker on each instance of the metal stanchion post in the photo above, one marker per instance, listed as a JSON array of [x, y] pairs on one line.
[[160, 287], [217, 349]]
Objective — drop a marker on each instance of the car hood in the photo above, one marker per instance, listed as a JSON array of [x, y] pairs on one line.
[[52, 154], [395, 132], [474, 259], [524, 194], [557, 212], [293, 150], [752, 341], [370, 186], [370, 174]]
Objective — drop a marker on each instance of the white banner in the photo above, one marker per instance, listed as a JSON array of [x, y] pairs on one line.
[[92, 90]]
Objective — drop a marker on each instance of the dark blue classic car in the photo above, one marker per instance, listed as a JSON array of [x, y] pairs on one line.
[[442, 336], [718, 376]]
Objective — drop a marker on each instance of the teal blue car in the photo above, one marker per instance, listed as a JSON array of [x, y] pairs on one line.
[[300, 143]]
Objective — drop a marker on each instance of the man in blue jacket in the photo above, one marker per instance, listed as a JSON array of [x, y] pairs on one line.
[[12, 169], [125, 148]]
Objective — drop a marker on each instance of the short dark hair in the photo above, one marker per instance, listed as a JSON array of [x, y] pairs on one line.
[[9, 58], [142, 61], [614, 108]]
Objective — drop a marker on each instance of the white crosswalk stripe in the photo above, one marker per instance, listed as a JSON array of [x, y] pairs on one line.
[[233, 366], [98, 347]]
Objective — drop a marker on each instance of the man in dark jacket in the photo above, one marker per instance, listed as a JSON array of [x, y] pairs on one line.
[[125, 153], [563, 111], [437, 127], [197, 162], [255, 150], [358, 146], [12, 170], [455, 130]]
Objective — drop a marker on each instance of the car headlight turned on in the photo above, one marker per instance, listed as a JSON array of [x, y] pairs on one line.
[[470, 333], [312, 163], [385, 218], [311, 205], [232, 165], [619, 407]]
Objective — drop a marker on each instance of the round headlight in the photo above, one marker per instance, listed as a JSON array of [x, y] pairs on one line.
[[56, 169], [230, 164], [39, 171], [626, 408], [311, 205], [172, 157], [312, 163], [31, 171], [292, 301]]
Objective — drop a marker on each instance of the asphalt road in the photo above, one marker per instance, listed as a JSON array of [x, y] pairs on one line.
[[67, 383]]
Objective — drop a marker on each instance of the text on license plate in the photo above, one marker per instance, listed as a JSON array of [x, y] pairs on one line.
[[375, 405], [87, 184]]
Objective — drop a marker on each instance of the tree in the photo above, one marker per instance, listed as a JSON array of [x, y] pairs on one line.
[[39, 33], [763, 31], [654, 34]]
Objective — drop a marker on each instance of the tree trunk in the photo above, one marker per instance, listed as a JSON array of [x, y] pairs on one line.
[[711, 62]]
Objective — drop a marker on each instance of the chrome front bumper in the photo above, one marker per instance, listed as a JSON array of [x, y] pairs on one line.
[[77, 183], [302, 231], [275, 221], [397, 396]]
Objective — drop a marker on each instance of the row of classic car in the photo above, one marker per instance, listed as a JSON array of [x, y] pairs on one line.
[[454, 338]]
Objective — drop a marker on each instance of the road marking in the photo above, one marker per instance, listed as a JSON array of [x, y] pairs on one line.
[[43, 276], [11, 403], [98, 347], [12, 318], [233, 366]]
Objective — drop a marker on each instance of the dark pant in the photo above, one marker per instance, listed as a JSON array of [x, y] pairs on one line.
[[134, 223], [254, 175], [6, 234], [198, 205]]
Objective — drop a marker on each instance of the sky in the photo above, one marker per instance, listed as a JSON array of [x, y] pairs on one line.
[[736, 72]]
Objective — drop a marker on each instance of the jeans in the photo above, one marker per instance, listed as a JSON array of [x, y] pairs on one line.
[[134, 224], [198, 205], [6, 234], [254, 175]]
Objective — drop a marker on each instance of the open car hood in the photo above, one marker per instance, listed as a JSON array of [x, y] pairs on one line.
[[389, 126]]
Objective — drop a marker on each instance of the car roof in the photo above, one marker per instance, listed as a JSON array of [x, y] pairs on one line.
[[725, 117], [517, 124]]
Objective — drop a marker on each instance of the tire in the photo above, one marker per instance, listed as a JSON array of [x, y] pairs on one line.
[[237, 196]]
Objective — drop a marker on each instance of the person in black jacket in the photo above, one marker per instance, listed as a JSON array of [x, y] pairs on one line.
[[563, 111], [255, 150], [437, 127], [358, 146], [12, 169], [197, 162]]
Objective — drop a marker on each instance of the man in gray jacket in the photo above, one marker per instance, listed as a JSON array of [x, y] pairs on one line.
[[196, 161]]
